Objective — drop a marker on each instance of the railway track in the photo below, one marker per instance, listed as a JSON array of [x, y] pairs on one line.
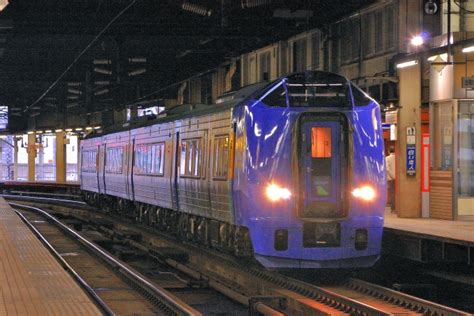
[[117, 289], [259, 287]]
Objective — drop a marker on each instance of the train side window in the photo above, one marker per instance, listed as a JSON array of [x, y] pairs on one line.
[[190, 158], [89, 161], [276, 96], [149, 159], [221, 157], [114, 160]]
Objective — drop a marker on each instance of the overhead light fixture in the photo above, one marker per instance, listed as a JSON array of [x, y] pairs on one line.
[[102, 83], [102, 62], [101, 92], [35, 107], [74, 84], [78, 129], [72, 97], [407, 64], [30, 132], [74, 91], [254, 3], [71, 105], [196, 8], [34, 114], [59, 130], [3, 4], [51, 105], [443, 56], [136, 72], [39, 132], [102, 71], [48, 131], [88, 128], [68, 129], [96, 127], [183, 53], [16, 114], [137, 59], [468, 49], [417, 40]]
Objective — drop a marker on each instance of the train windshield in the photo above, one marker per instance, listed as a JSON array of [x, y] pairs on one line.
[[308, 89], [313, 89]]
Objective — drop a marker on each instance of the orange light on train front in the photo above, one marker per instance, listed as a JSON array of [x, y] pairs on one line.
[[366, 193], [275, 193]]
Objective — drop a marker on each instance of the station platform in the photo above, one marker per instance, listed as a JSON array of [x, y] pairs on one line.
[[32, 282], [429, 240]]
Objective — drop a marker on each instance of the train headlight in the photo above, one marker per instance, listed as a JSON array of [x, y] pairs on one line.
[[366, 193], [276, 193]]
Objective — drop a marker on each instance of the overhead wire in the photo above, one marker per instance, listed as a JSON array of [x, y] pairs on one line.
[[80, 55]]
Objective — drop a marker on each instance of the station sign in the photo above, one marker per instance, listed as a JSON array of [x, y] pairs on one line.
[[411, 160], [411, 151], [391, 117], [468, 82]]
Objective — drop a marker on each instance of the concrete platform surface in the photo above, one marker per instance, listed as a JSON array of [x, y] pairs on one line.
[[32, 282], [462, 231]]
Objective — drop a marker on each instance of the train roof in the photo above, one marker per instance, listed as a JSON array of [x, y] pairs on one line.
[[224, 102]]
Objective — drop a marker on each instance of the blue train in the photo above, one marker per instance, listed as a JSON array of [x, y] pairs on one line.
[[291, 173]]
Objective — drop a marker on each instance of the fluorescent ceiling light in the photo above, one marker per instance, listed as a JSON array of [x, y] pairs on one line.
[[407, 64], [468, 49]]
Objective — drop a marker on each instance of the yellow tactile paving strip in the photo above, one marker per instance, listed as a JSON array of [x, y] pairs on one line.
[[32, 282]]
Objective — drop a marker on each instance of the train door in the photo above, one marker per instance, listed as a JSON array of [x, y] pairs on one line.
[[101, 170], [130, 164], [321, 169], [174, 182]]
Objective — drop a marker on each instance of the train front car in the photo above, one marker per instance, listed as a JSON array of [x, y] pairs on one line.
[[309, 173]]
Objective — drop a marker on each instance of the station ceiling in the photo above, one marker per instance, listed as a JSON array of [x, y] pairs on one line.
[[52, 58]]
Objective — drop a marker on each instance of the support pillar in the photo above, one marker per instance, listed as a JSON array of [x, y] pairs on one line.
[[15, 159], [60, 157], [407, 187], [31, 156]]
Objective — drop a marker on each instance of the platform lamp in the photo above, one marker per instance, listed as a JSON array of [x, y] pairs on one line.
[[3, 4]]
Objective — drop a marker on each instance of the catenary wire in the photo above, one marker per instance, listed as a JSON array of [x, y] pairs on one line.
[[80, 55]]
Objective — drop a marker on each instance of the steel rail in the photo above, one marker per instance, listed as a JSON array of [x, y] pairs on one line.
[[216, 285], [405, 300], [329, 298], [41, 198], [344, 303], [90, 291], [172, 303]]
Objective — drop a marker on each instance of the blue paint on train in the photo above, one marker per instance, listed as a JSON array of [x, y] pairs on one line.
[[272, 155]]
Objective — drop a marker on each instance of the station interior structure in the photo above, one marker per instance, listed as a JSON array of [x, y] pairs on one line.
[[63, 77], [72, 68]]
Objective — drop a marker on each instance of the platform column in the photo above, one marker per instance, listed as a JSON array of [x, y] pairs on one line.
[[60, 157], [31, 156], [407, 151]]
